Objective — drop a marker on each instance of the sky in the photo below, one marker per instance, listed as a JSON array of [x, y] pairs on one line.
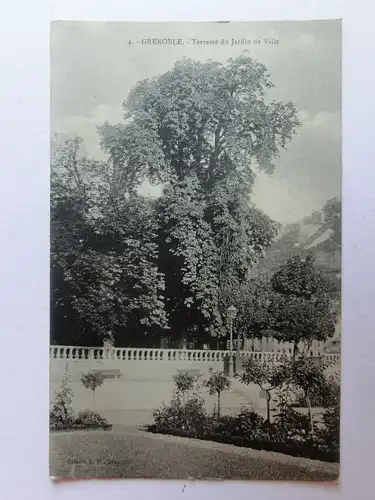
[[93, 68]]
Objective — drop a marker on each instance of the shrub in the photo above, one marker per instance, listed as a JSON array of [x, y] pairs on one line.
[[85, 419], [250, 424], [291, 448], [90, 419], [290, 425], [195, 414], [176, 416], [330, 433], [170, 416], [247, 424], [61, 412]]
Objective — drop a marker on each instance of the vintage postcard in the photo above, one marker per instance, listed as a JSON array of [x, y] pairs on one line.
[[195, 250]]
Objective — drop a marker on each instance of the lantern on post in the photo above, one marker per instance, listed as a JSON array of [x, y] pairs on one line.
[[231, 315]]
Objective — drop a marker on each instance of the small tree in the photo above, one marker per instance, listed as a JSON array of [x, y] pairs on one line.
[[92, 380], [268, 375], [217, 383], [308, 375], [61, 411], [184, 383], [300, 305]]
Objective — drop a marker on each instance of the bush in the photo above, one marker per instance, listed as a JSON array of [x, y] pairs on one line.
[[170, 416], [330, 433], [291, 448], [176, 416], [289, 432], [85, 419], [61, 413], [90, 419], [246, 424], [290, 425], [195, 414]]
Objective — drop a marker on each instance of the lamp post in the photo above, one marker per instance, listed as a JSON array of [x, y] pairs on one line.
[[231, 314]]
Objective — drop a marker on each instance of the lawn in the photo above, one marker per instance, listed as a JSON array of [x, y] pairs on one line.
[[130, 453]]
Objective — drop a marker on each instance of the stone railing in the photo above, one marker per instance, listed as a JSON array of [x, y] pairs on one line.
[[133, 354]]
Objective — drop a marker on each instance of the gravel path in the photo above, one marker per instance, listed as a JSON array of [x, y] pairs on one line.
[[129, 453]]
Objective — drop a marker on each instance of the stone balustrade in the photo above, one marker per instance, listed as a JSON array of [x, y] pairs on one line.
[[134, 354]]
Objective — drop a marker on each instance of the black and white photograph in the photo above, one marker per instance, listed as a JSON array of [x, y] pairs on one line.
[[195, 250]]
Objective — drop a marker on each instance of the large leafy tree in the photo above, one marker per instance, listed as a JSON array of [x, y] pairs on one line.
[[202, 130], [105, 279]]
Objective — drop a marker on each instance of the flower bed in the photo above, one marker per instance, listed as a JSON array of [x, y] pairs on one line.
[[292, 448], [84, 420], [288, 433]]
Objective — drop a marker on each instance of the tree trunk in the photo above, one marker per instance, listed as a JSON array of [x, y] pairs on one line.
[[218, 405], [184, 405], [93, 400], [308, 403], [295, 349]]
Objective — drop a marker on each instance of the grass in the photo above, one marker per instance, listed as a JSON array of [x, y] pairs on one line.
[[135, 454]]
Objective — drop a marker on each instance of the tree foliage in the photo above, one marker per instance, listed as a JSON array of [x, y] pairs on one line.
[[300, 305], [92, 380], [307, 374], [268, 375], [103, 252], [201, 130], [252, 300], [124, 263], [217, 383]]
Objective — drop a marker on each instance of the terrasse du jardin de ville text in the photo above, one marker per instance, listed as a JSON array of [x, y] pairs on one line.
[[203, 42]]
